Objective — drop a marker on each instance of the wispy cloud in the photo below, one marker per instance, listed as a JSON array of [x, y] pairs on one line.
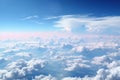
[[53, 17], [30, 17], [57, 17], [37, 22], [33, 19]]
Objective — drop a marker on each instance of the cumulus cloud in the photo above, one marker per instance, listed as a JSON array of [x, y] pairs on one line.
[[22, 69], [90, 24], [102, 74], [89, 58], [76, 64], [101, 60], [110, 74]]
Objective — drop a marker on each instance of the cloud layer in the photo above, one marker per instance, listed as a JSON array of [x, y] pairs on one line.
[[83, 58]]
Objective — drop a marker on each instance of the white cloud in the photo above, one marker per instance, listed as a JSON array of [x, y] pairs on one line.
[[3, 60], [102, 74], [110, 74], [76, 64], [91, 24], [78, 48], [115, 54], [70, 78], [42, 77], [37, 22], [30, 17], [114, 64], [23, 54], [101, 60], [22, 69], [34, 19], [61, 58]]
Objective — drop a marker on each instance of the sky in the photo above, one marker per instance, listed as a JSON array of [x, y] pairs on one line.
[[57, 15], [59, 39]]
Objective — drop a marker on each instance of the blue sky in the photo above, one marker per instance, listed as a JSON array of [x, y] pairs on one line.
[[59, 39], [32, 15]]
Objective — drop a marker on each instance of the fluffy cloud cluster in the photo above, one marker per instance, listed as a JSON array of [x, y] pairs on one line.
[[102, 74], [88, 58], [22, 69]]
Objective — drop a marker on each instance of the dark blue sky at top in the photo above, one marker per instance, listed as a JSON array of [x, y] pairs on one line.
[[14, 8], [12, 11]]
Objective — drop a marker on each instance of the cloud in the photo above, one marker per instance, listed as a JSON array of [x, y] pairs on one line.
[[114, 64], [102, 74], [56, 17], [89, 24], [63, 58], [23, 54], [30, 17], [74, 64], [3, 60], [33, 19], [42, 77], [22, 69], [37, 22], [53, 17], [101, 60], [110, 74]]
